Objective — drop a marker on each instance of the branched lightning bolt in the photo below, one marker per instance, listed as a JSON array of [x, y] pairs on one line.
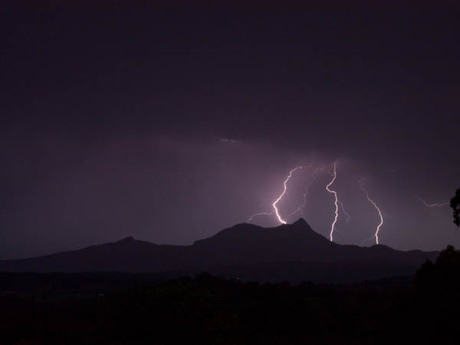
[[300, 207], [336, 202], [377, 230], [338, 205], [274, 204], [275, 208], [259, 214], [433, 205]]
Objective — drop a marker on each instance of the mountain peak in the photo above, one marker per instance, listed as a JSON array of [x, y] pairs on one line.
[[245, 233], [300, 228], [126, 240], [301, 223]]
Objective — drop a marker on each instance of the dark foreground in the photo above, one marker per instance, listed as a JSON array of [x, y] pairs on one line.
[[71, 309]]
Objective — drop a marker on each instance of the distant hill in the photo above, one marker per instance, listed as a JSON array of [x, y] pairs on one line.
[[291, 252]]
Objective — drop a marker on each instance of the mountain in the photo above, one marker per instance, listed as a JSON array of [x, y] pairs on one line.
[[291, 252]]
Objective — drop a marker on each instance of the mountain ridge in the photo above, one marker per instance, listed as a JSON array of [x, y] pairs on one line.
[[242, 248]]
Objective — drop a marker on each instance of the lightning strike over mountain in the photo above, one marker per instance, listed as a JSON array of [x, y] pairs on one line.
[[433, 205], [377, 230], [311, 179], [280, 219], [336, 202]]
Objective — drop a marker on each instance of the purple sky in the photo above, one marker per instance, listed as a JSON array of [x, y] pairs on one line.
[[172, 122]]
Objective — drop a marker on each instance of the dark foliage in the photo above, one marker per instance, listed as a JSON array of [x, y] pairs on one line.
[[437, 286], [455, 204], [210, 310], [441, 277]]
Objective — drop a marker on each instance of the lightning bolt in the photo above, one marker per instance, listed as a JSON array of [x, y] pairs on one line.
[[433, 205], [377, 230], [300, 207], [347, 215], [250, 219], [275, 203], [336, 202], [275, 208]]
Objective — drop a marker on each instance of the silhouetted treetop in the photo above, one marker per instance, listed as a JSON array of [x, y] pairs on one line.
[[455, 204], [442, 276]]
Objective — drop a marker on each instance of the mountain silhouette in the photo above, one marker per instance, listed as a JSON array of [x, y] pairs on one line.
[[291, 252]]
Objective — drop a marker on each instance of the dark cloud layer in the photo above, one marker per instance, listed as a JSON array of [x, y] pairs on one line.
[[171, 121]]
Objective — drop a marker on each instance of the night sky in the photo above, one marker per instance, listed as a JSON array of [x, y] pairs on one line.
[[170, 122]]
